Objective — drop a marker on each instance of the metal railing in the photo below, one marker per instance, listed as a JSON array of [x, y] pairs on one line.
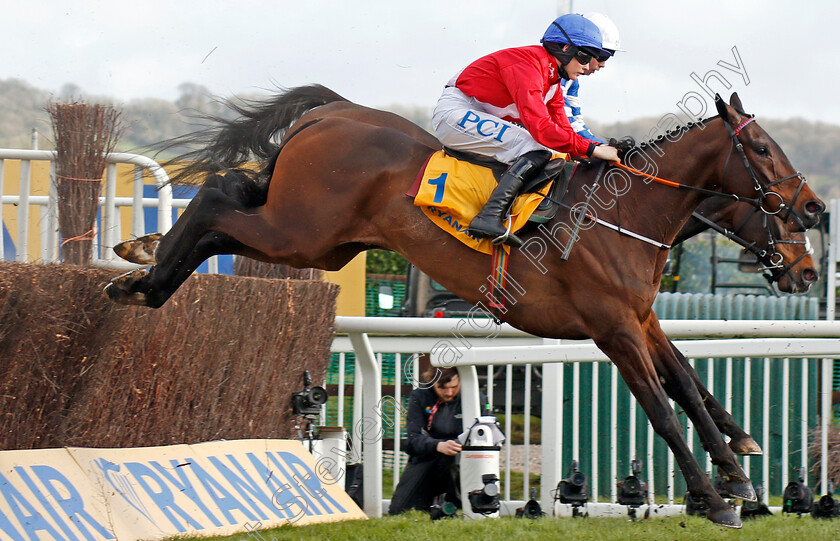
[[110, 205], [457, 343]]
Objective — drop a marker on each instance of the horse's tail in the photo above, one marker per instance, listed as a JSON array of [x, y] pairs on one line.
[[253, 135]]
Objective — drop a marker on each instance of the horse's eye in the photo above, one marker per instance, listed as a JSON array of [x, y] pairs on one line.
[[762, 150]]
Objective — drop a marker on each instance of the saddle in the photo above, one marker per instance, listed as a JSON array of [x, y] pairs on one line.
[[557, 169]]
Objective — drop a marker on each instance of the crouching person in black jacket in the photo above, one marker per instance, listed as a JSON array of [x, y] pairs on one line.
[[433, 423]]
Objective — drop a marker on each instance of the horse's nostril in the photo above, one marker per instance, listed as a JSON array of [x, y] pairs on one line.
[[810, 275], [814, 207]]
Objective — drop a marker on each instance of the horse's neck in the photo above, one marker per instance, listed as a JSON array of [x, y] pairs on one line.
[[693, 160], [716, 209]]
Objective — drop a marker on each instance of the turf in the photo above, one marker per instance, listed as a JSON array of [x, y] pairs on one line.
[[418, 526]]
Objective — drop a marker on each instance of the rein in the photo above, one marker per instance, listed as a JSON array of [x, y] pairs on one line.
[[672, 184], [760, 187], [773, 262]]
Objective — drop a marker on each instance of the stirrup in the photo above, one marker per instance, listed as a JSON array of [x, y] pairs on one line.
[[502, 239]]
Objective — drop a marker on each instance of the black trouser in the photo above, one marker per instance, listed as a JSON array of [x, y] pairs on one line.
[[421, 482]]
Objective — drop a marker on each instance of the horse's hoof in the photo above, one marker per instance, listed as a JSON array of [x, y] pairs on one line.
[[745, 446], [741, 490], [123, 297], [725, 517], [140, 250], [123, 290]]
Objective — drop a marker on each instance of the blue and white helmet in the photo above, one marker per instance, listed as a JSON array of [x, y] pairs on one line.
[[574, 29]]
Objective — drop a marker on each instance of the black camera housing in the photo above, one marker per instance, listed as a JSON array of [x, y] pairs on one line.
[[797, 498], [573, 489], [633, 491], [442, 508], [532, 508], [307, 403], [486, 500], [755, 509], [826, 507]]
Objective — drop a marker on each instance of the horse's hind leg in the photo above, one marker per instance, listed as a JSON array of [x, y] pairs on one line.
[[134, 286], [680, 386], [180, 251], [630, 354], [741, 442]]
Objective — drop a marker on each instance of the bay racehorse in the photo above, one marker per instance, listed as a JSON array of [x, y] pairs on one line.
[[334, 186]]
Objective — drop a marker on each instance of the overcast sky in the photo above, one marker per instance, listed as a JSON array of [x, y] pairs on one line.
[[383, 52]]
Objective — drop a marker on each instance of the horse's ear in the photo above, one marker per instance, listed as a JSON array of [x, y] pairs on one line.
[[735, 102], [721, 107]]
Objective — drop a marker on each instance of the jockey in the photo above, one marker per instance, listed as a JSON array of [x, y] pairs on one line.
[[509, 105], [610, 43]]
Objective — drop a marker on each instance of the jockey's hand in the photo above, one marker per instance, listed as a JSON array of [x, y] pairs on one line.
[[606, 152]]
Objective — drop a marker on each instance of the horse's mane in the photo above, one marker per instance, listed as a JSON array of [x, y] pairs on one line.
[[253, 135], [669, 134]]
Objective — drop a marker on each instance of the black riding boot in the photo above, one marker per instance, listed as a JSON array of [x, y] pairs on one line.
[[488, 222]]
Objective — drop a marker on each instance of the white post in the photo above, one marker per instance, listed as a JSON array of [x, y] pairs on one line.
[[613, 433], [527, 434], [397, 415], [765, 430], [670, 467], [508, 415], [803, 421], [22, 255], [52, 217], [825, 400], [785, 421], [747, 403], [552, 432], [594, 443], [576, 412], [372, 419], [138, 217], [110, 215]]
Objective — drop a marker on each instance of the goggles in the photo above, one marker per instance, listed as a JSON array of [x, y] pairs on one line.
[[583, 57], [603, 56]]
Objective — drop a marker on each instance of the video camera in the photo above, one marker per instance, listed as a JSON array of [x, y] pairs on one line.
[[755, 509], [827, 506], [307, 403], [442, 508], [633, 491], [573, 489], [797, 497], [532, 508], [486, 499]]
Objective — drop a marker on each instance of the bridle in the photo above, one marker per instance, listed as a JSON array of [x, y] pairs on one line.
[[764, 189], [772, 261]]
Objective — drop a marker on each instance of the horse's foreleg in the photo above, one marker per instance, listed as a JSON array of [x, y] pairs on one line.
[[680, 386], [629, 352], [741, 443]]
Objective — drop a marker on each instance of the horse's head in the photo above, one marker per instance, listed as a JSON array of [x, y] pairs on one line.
[[782, 190], [783, 257]]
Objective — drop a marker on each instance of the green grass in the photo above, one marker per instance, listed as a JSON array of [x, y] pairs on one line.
[[517, 428], [417, 525]]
